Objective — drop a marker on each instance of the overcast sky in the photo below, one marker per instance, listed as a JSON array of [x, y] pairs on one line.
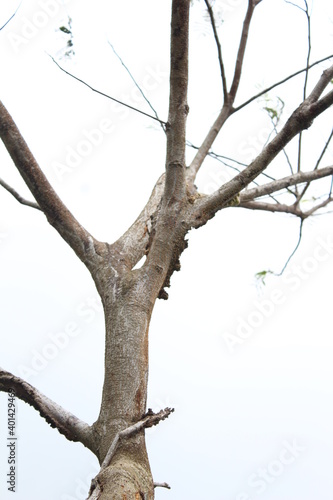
[[248, 368]]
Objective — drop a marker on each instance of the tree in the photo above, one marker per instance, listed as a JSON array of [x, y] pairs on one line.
[[159, 236]]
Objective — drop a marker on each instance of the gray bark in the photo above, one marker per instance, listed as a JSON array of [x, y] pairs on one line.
[[128, 295]]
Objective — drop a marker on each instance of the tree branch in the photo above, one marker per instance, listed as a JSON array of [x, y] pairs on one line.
[[66, 423], [106, 95], [203, 150], [168, 238], [279, 184], [133, 243], [58, 215], [321, 205], [317, 164], [11, 17], [137, 85], [219, 50], [19, 198], [241, 49], [227, 109], [175, 189], [272, 207], [148, 420], [300, 119], [274, 85], [162, 485]]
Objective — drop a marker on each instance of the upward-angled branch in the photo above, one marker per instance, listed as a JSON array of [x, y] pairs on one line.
[[167, 241], [280, 82], [241, 49], [58, 215], [279, 184], [219, 50], [133, 243], [306, 11], [227, 109], [66, 423], [106, 95], [178, 107], [11, 17], [137, 85], [301, 119], [301, 195]]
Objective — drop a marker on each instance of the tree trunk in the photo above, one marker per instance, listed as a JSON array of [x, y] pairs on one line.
[[127, 316]]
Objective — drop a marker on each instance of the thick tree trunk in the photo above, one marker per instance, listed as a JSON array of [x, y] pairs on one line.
[[128, 297], [127, 316]]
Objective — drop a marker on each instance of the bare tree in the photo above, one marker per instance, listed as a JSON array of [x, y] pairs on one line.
[[175, 206]]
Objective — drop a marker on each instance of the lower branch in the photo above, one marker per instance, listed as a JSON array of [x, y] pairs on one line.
[[149, 420], [67, 424]]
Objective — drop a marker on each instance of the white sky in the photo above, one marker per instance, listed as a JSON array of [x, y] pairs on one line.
[[241, 408]]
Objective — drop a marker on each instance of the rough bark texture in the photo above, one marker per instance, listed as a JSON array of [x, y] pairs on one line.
[[129, 295]]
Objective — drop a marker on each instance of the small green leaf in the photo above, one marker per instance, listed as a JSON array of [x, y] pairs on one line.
[[65, 30], [262, 275]]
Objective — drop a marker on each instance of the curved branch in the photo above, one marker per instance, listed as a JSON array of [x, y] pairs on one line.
[[295, 249], [67, 424], [19, 198], [58, 215]]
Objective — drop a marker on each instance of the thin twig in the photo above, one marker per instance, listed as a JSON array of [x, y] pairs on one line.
[[11, 17], [317, 164], [300, 137], [227, 108], [106, 95], [222, 158], [318, 207], [271, 207], [219, 50], [137, 85], [18, 196], [294, 251], [281, 82]]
